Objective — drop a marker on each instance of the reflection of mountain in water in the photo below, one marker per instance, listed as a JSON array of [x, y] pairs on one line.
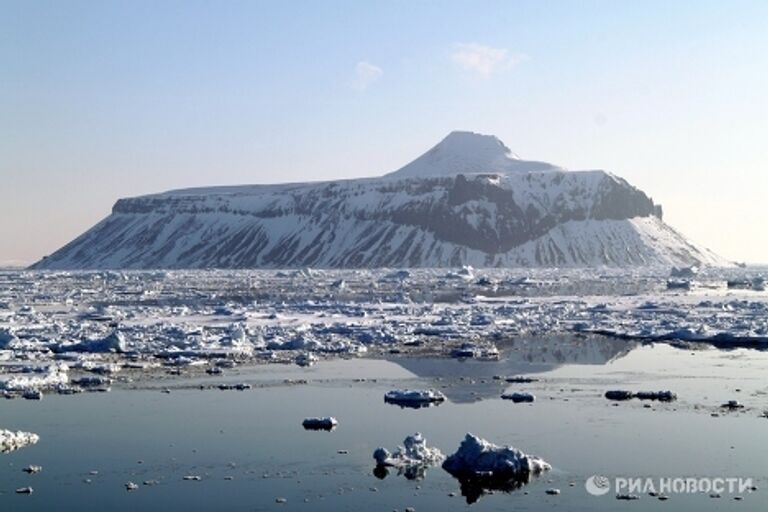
[[523, 356]]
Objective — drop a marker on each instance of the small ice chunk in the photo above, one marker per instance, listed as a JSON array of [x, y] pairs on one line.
[[618, 394], [306, 359], [519, 396], [320, 423], [521, 379], [414, 397], [32, 469], [32, 394], [130, 486]]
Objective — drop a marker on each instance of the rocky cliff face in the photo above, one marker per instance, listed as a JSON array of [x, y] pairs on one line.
[[466, 201]]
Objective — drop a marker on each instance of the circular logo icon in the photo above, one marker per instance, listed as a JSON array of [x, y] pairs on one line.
[[598, 485]]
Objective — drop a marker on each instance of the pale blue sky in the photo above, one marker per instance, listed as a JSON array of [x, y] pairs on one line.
[[101, 100]]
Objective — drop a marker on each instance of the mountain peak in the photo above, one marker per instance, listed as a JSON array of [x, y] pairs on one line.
[[471, 142], [463, 152]]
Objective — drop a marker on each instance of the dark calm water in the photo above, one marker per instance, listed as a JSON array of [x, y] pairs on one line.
[[256, 437]]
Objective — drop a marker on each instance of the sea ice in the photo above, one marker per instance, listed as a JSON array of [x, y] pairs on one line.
[[131, 319]]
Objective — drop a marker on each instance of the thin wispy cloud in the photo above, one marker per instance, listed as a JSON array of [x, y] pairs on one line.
[[365, 75], [483, 60]]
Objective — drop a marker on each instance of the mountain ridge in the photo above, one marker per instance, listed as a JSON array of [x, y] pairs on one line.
[[439, 210]]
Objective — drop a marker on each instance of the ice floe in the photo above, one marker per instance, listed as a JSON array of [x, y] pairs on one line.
[[11, 441], [414, 398]]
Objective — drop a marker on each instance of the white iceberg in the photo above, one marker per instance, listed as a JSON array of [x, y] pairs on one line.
[[477, 457], [412, 459]]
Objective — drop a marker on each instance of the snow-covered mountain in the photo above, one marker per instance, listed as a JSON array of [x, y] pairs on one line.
[[467, 201]]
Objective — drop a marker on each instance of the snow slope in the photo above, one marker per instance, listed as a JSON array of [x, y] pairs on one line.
[[469, 200], [468, 152]]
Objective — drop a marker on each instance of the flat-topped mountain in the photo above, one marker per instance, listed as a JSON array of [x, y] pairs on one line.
[[467, 201]]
